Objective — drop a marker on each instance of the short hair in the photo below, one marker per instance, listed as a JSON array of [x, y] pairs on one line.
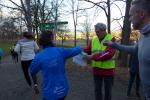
[[28, 35], [100, 26], [46, 39], [142, 4]]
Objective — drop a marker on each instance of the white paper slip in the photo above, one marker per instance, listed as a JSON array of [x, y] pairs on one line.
[[79, 60], [83, 54]]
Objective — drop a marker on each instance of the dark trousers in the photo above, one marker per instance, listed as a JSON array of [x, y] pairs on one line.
[[61, 98], [146, 88], [15, 57], [25, 68], [108, 83], [133, 76]]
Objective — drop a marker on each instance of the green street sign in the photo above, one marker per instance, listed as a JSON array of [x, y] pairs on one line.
[[47, 26], [60, 23], [51, 25]]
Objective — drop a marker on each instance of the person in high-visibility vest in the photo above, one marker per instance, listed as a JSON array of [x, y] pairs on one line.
[[102, 61]]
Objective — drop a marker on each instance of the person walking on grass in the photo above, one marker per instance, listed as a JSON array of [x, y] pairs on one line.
[[51, 61], [27, 48], [140, 18]]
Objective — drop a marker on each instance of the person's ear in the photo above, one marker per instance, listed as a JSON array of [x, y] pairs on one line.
[[142, 14]]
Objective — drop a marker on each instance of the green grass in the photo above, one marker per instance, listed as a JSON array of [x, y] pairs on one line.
[[6, 45]]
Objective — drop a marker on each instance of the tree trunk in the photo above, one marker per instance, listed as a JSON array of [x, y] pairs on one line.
[[28, 16], [87, 38], [75, 36], [109, 17], [125, 34]]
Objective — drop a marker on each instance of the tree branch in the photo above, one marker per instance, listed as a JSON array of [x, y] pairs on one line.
[[15, 3], [87, 8], [23, 7], [119, 0], [10, 7], [118, 8], [97, 4], [117, 18]]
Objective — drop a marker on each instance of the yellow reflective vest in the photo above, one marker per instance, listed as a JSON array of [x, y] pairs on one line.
[[98, 47]]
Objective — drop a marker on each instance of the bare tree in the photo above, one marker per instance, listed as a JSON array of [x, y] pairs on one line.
[[8, 29], [74, 4], [105, 6], [35, 12], [86, 28], [25, 9], [63, 35], [125, 33]]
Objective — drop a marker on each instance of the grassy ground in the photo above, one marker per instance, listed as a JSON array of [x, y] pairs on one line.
[[6, 45]]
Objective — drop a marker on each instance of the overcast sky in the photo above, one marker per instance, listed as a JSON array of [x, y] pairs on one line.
[[100, 15], [115, 13]]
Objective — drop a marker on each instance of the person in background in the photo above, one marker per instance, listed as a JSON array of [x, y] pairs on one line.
[[133, 73], [140, 19], [14, 54], [51, 61], [27, 48], [103, 62], [1, 54]]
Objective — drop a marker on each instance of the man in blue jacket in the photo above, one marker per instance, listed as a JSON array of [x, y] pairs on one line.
[[51, 61]]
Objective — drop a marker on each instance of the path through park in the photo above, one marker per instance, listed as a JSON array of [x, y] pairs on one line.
[[14, 87]]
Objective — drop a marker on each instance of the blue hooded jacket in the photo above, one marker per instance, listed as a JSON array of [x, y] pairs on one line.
[[51, 62]]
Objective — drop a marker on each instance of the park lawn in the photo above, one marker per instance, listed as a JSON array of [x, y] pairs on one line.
[[6, 45]]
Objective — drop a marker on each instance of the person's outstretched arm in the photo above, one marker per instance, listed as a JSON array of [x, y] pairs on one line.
[[34, 68], [129, 49], [70, 52]]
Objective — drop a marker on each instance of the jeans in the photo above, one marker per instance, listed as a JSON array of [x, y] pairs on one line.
[[108, 83], [146, 89], [131, 81], [147, 98]]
